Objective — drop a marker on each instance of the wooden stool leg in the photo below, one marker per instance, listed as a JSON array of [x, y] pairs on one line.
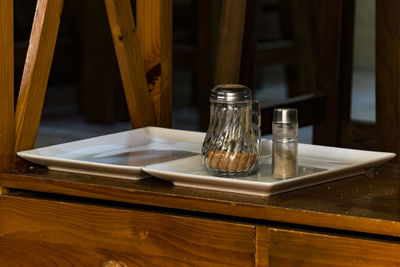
[[332, 43], [36, 72], [206, 45], [387, 76], [130, 61], [7, 86]]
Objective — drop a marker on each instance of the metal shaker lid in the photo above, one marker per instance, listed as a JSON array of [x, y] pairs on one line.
[[284, 115], [230, 93]]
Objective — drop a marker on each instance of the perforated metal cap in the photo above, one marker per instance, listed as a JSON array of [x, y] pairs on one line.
[[285, 115], [230, 93]]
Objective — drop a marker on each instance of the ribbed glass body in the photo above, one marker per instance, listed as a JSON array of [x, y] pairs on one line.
[[232, 142]]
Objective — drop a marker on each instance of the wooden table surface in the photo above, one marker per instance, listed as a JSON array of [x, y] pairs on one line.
[[367, 203]]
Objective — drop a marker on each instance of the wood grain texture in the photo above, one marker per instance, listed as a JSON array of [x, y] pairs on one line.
[[366, 203], [130, 61], [36, 72], [41, 232], [230, 39], [6, 85], [293, 248], [154, 28], [261, 246], [388, 76]]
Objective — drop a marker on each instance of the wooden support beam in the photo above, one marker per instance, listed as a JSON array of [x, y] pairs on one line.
[[130, 61], [388, 76], [36, 72], [154, 28], [7, 85]]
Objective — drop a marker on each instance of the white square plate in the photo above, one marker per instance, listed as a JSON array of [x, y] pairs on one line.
[[119, 155], [316, 164]]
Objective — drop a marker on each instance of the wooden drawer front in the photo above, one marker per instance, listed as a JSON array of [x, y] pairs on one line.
[[46, 233], [293, 248]]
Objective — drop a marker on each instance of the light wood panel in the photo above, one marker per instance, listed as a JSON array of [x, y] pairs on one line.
[[388, 76], [130, 61], [36, 72], [7, 85], [154, 28], [57, 233], [294, 248], [230, 39]]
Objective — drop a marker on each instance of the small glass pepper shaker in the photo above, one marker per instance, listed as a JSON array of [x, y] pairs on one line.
[[284, 147]]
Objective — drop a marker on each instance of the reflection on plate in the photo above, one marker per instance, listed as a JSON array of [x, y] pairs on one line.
[[141, 157]]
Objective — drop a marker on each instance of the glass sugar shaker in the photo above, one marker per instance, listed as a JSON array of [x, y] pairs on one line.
[[232, 142], [284, 146]]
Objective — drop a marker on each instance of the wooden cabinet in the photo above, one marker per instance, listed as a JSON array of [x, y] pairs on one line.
[[50, 218], [37, 232], [297, 248]]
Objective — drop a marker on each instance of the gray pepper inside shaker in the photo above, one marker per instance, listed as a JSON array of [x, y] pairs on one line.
[[284, 146]]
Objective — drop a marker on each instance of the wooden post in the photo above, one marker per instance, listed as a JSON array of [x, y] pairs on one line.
[[36, 72], [130, 61], [7, 86], [388, 76], [154, 28], [230, 39]]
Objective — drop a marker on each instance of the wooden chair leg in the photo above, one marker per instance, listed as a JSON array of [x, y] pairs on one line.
[[100, 74], [303, 35], [249, 49], [230, 39], [36, 72], [206, 41], [7, 86], [332, 44], [154, 27], [387, 76], [130, 61]]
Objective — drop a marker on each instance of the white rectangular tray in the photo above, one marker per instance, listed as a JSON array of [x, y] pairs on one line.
[[119, 155], [174, 155]]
